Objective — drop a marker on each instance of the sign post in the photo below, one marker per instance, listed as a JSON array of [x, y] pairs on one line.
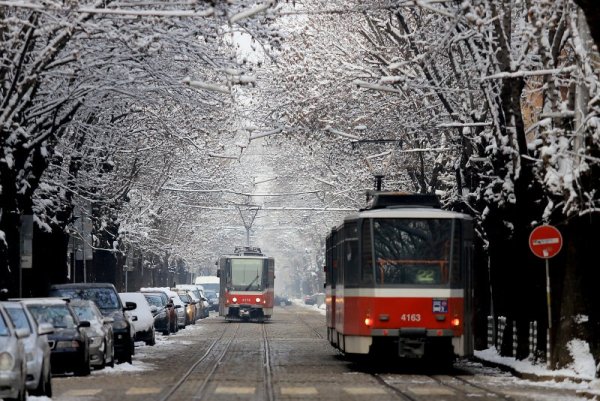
[[545, 242]]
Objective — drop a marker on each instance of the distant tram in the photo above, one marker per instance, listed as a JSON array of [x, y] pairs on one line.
[[246, 285], [399, 280]]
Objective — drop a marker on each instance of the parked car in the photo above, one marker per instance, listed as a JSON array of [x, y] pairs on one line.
[[310, 299], [282, 300], [195, 292], [141, 316], [190, 307], [159, 306], [13, 360], [213, 299], [100, 333], [107, 300], [39, 375], [178, 305], [69, 343]]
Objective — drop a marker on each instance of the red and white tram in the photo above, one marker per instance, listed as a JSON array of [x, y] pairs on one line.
[[246, 285], [398, 280]]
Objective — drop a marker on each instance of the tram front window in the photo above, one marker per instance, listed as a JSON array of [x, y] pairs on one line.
[[412, 251], [246, 274]]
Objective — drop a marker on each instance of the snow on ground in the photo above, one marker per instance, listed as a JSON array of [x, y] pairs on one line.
[[318, 308]]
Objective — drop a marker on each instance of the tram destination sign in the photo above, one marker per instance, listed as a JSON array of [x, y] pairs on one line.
[[545, 241]]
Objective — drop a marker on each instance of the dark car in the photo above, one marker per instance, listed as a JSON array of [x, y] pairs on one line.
[[213, 300], [160, 311], [69, 343], [107, 300], [282, 300], [168, 302]]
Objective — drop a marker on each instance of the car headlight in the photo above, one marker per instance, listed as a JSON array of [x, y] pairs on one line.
[[96, 341], [7, 361], [67, 344], [120, 324]]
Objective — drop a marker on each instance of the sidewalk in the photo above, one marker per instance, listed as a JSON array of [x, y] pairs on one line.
[[579, 376]]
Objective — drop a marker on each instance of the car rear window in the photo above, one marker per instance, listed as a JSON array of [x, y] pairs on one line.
[[58, 316], [105, 298], [19, 318], [154, 300]]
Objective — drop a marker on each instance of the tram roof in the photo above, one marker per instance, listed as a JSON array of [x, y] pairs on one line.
[[407, 212]]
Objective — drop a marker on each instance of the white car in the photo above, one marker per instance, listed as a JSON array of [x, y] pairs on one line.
[[13, 364], [141, 317], [39, 373]]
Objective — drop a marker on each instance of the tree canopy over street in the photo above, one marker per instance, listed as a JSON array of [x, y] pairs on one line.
[[178, 129]]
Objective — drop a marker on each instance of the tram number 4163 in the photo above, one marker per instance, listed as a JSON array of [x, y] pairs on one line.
[[410, 317]]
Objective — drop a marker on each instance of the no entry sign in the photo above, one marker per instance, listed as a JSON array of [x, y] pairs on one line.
[[545, 241]]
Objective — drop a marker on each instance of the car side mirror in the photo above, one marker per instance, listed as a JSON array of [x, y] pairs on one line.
[[153, 309], [84, 323], [45, 328], [177, 306], [134, 318], [204, 299], [130, 306], [218, 272], [170, 305], [108, 320]]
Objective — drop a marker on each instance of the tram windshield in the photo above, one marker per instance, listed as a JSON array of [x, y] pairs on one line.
[[247, 274], [412, 251]]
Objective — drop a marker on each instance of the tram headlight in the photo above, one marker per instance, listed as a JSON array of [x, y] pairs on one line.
[[257, 300], [234, 299], [455, 322], [368, 321]]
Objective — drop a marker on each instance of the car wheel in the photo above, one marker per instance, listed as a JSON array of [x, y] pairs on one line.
[[44, 386], [152, 341], [84, 369], [112, 357]]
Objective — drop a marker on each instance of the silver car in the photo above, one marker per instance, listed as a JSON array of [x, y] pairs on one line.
[[100, 333], [36, 348], [13, 363]]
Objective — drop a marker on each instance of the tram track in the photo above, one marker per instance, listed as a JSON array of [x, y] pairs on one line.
[[200, 393], [471, 384], [268, 372]]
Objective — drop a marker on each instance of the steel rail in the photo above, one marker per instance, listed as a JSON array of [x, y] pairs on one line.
[[269, 390], [188, 373]]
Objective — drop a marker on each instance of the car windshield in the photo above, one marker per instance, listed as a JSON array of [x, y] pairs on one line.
[[210, 294], [58, 316], [105, 298], [154, 300], [185, 298], [85, 312], [246, 274], [19, 318], [3, 327]]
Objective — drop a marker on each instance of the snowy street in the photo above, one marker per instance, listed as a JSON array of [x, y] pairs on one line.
[[215, 360]]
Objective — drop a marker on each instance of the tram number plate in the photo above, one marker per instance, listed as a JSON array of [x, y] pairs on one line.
[[410, 317]]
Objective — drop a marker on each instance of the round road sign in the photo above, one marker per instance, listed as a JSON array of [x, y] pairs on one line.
[[545, 241]]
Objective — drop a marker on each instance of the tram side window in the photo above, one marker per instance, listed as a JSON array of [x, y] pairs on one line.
[[351, 257], [340, 255], [367, 254], [456, 277]]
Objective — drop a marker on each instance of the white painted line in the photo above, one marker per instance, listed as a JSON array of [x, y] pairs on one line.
[[299, 391], [81, 393], [142, 390], [235, 390], [431, 391], [364, 390]]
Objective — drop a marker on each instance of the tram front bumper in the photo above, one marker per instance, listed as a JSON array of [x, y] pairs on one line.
[[416, 342]]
